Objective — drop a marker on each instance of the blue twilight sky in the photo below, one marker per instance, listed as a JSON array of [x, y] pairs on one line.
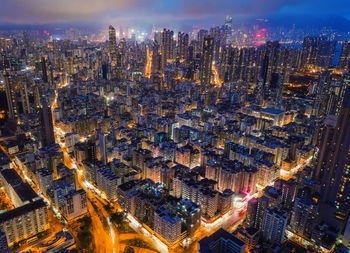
[[185, 12]]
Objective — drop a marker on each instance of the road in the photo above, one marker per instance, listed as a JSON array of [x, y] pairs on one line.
[[55, 223], [230, 222], [148, 63], [109, 235], [217, 80], [104, 239]]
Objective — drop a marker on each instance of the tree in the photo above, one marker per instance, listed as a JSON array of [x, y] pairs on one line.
[[85, 238], [129, 249], [118, 218]]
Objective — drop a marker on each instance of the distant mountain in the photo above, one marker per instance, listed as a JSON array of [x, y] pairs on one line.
[[336, 22]]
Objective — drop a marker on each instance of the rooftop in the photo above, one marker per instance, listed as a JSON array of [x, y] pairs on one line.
[[9, 215], [23, 190], [272, 111], [221, 234]]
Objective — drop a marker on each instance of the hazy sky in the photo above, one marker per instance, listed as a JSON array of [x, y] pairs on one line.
[[160, 11]]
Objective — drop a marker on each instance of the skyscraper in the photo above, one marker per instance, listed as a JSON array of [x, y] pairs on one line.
[[322, 94], [310, 51], [303, 216], [207, 61], [333, 167], [10, 95], [51, 78], [166, 46], [344, 60], [182, 45], [24, 96], [228, 22], [275, 223], [325, 54], [200, 38], [3, 242], [44, 70], [102, 140], [228, 28], [264, 69], [326, 133], [156, 59], [47, 133], [112, 44], [90, 150], [256, 212]]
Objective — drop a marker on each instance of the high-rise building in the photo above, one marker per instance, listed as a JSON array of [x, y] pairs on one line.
[[309, 51], [166, 46], [322, 94], [74, 204], [221, 242], [3, 243], [326, 133], [228, 28], [167, 225], [275, 222], [256, 212], [51, 78], [333, 167], [228, 23], [200, 40], [344, 60], [346, 238], [24, 221], [10, 95], [209, 201], [288, 191], [47, 133], [108, 182], [218, 34], [325, 54], [264, 70], [112, 44], [102, 142], [90, 151], [156, 59], [24, 96], [44, 70], [303, 216], [207, 61], [15, 188], [182, 45], [200, 37], [317, 52]]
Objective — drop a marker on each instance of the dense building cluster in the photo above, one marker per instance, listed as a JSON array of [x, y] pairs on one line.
[[186, 134]]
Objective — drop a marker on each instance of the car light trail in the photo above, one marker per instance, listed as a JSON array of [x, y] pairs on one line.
[[134, 224], [111, 232]]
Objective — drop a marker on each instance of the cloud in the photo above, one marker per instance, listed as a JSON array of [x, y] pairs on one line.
[[155, 11], [236, 7], [50, 11]]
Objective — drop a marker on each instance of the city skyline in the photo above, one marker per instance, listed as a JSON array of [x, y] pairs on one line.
[[182, 13]]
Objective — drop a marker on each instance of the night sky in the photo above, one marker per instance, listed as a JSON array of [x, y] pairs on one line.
[[185, 12]]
